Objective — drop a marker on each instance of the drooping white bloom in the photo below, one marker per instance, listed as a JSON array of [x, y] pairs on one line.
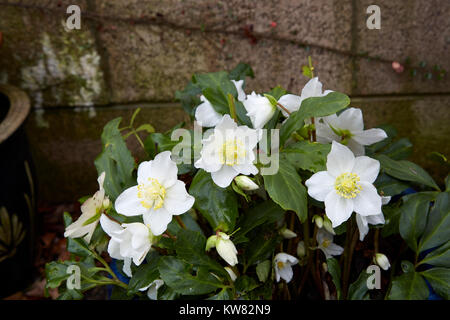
[[245, 183], [325, 243], [233, 275], [128, 240], [348, 128], [207, 116], [224, 246], [381, 260], [158, 195], [292, 102], [91, 210], [283, 263], [229, 151], [259, 109], [153, 287], [347, 185], [327, 225], [318, 220], [364, 221]]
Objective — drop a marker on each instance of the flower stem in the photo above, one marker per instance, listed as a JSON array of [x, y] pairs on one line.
[[348, 263], [180, 222], [376, 239], [284, 108], [232, 107]]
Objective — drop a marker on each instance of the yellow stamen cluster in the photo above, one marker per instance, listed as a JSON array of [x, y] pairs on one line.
[[347, 185], [152, 194], [326, 243], [231, 152], [280, 265]]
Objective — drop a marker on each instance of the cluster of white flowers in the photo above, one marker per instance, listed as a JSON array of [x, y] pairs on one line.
[[229, 153]]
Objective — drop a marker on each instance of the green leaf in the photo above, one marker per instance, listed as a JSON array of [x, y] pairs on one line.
[[115, 160], [145, 274], [439, 257], [145, 127], [439, 279], [179, 276], [190, 246], [217, 98], [56, 273], [277, 92], [437, 230], [261, 248], [406, 170], [414, 216], [263, 270], [305, 155], [224, 294], [376, 147], [306, 71], [392, 220], [240, 72], [218, 205], [78, 247], [335, 270], [244, 284], [264, 212], [399, 150], [447, 183], [189, 98], [285, 188], [313, 107], [408, 286], [358, 290], [389, 186]]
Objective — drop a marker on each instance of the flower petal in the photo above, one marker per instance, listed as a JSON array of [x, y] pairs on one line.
[[164, 169], [206, 115], [224, 176], [286, 273], [109, 226], [351, 119], [366, 168], [177, 199], [334, 249], [356, 148], [129, 204], [363, 226], [312, 89], [157, 220], [325, 134], [114, 250], [291, 102], [368, 137], [320, 185], [337, 208], [241, 94], [368, 201], [339, 160], [376, 219]]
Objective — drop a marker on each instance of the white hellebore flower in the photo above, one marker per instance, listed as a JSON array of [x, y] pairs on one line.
[[229, 151], [129, 241], [363, 221], [283, 263], [259, 109], [245, 183], [325, 243], [381, 260], [158, 195], [292, 102], [207, 116], [347, 185], [224, 246], [348, 128], [153, 287], [91, 210], [230, 271]]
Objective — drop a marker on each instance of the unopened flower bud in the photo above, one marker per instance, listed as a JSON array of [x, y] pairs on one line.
[[301, 250], [226, 249], [328, 226], [381, 260], [287, 233], [318, 220], [106, 203], [233, 275], [245, 183], [211, 242]]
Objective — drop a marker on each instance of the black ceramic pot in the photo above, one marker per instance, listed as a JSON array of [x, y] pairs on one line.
[[17, 194]]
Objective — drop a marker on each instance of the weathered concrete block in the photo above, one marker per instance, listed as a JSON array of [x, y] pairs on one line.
[[56, 66], [65, 143], [422, 119], [416, 29]]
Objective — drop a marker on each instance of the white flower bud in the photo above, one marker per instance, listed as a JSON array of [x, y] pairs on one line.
[[233, 275], [226, 249], [381, 260], [318, 220], [259, 109], [301, 250], [245, 183], [328, 225], [287, 234], [106, 203]]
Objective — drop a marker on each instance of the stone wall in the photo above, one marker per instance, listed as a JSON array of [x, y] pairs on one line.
[[137, 53]]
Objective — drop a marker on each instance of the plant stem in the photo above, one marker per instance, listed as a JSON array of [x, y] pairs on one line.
[[180, 222], [348, 265], [284, 108], [376, 240], [232, 107]]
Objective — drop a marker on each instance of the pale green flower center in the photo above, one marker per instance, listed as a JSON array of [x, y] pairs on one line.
[[152, 194], [326, 243], [347, 185], [231, 151], [280, 265]]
